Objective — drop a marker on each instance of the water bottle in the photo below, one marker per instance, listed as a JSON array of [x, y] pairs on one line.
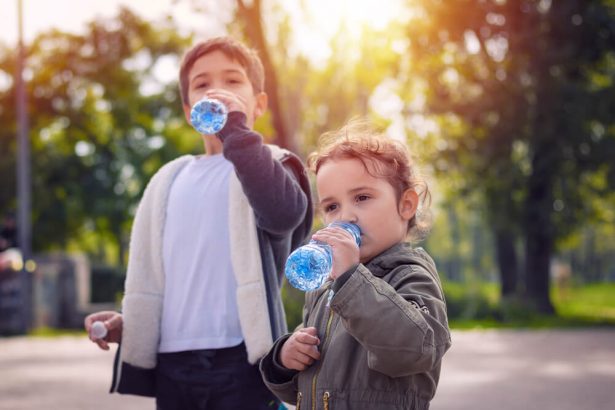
[[208, 116], [308, 267], [98, 330]]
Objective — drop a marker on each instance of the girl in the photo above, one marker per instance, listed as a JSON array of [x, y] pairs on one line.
[[374, 335]]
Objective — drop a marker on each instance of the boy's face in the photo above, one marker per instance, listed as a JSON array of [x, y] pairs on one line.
[[217, 76], [347, 192]]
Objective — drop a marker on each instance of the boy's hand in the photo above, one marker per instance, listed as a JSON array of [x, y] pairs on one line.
[[344, 248], [232, 101], [113, 321], [300, 351]]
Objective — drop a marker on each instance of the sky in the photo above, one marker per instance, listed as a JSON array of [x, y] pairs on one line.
[[314, 21], [72, 15]]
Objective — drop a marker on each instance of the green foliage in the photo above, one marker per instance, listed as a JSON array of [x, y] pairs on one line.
[[531, 82], [293, 300], [98, 115]]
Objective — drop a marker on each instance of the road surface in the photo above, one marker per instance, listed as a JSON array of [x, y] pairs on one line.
[[484, 370]]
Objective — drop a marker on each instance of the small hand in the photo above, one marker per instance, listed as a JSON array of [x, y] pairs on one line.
[[300, 350], [113, 321], [344, 248]]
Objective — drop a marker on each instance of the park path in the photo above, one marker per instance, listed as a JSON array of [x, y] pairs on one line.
[[484, 370]]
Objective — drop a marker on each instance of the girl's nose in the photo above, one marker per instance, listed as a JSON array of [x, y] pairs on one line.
[[349, 216]]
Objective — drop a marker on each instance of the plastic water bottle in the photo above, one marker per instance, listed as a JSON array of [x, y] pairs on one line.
[[308, 267], [208, 116], [98, 330]]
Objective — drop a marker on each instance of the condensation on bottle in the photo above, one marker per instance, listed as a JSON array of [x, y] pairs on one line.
[[308, 267], [208, 116]]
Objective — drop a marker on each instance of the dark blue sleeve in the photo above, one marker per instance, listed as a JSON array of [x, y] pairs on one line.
[[278, 200]]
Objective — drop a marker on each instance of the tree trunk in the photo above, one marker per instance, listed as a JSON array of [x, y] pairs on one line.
[[250, 15], [538, 229], [507, 261], [455, 263]]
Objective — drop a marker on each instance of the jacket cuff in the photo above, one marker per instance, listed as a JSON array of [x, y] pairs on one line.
[[271, 368], [343, 278], [235, 124]]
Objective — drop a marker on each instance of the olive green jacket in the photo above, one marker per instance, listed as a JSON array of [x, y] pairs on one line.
[[383, 331]]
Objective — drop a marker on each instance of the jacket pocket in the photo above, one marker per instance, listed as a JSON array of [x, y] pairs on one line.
[[325, 400]]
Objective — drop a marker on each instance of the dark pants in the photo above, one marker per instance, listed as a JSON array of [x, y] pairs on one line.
[[209, 380]]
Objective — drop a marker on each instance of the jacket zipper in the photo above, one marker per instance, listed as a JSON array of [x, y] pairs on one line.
[[322, 357], [299, 397], [325, 399]]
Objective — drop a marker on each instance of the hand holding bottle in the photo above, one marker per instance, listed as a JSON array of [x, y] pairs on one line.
[[331, 252], [344, 248], [208, 115], [113, 324]]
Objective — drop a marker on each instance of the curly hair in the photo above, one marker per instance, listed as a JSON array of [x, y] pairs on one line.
[[382, 157]]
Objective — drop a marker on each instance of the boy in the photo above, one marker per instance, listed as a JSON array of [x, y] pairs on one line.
[[207, 248], [374, 335]]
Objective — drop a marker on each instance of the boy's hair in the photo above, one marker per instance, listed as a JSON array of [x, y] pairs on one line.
[[382, 157], [233, 49]]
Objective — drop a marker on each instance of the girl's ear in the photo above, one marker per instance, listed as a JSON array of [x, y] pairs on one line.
[[408, 203]]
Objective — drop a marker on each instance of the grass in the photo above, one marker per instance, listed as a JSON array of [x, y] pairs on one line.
[[478, 306], [591, 302], [52, 332]]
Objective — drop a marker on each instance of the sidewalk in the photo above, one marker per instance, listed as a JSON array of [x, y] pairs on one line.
[[542, 370], [502, 370]]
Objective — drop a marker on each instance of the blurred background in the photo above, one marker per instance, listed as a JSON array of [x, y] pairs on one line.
[[508, 105]]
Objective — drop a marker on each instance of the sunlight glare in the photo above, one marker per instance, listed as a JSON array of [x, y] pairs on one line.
[[320, 21]]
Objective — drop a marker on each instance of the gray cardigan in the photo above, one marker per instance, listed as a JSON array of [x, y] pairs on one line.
[[270, 214]]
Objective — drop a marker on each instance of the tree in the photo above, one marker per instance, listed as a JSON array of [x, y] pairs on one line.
[[532, 82], [97, 116]]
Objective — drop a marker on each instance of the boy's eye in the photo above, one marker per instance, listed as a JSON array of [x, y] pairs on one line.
[[201, 85], [361, 198]]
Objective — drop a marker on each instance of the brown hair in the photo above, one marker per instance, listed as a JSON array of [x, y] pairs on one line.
[[233, 49], [382, 157]]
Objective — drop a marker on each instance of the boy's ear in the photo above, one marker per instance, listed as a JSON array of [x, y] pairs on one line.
[[408, 203], [261, 104], [187, 110]]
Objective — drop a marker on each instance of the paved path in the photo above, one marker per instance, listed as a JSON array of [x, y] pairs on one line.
[[522, 370], [501, 370]]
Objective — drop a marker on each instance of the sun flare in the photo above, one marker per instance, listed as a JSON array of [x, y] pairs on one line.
[[317, 22], [353, 15]]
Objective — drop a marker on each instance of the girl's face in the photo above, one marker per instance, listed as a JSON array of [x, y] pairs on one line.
[[347, 192]]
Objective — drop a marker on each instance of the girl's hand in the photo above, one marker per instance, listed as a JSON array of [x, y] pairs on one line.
[[344, 248], [113, 321], [300, 350]]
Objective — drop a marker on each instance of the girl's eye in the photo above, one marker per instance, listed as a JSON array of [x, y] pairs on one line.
[[330, 208], [234, 81], [201, 85], [361, 198]]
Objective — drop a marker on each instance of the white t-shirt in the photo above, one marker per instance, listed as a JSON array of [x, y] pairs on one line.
[[200, 304]]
